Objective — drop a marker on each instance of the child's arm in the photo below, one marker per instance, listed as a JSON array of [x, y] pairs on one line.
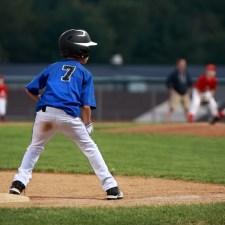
[[86, 118], [86, 114]]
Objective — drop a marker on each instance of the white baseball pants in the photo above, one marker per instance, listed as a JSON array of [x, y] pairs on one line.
[[196, 102], [2, 106], [56, 120]]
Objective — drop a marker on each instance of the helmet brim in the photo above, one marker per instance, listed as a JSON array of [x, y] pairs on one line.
[[91, 43]]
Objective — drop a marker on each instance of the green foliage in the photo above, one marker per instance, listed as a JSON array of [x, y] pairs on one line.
[[195, 214], [176, 157], [145, 31]]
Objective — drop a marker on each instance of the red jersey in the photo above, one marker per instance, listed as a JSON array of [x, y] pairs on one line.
[[3, 91], [204, 84]]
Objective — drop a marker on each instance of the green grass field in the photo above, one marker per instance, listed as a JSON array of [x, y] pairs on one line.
[[196, 214], [176, 157]]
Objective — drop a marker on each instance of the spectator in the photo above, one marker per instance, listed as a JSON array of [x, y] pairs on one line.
[[3, 98], [179, 84]]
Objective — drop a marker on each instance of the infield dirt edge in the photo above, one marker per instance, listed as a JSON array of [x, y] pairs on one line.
[[84, 191]]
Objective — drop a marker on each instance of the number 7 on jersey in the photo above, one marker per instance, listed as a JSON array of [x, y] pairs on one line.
[[69, 71]]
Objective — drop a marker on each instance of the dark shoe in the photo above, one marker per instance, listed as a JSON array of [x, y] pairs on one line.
[[214, 120], [16, 188], [217, 118], [114, 193]]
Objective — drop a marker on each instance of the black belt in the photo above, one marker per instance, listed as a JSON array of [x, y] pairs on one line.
[[43, 109]]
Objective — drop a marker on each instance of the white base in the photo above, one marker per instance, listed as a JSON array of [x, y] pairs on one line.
[[7, 198]]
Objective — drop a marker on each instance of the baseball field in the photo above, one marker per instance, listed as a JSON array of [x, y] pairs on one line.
[[169, 173]]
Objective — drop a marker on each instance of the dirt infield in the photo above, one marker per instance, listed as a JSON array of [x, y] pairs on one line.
[[194, 129], [69, 190]]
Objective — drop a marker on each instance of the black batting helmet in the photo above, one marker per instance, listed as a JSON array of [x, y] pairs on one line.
[[75, 43]]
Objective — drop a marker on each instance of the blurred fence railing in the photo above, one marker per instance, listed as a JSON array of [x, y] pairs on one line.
[[118, 98]]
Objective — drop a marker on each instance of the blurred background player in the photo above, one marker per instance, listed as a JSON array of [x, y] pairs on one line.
[[179, 84], [203, 93], [3, 98]]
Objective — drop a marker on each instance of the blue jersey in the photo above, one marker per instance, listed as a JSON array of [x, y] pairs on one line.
[[66, 85]]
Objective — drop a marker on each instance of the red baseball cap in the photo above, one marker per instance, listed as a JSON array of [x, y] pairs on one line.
[[210, 67]]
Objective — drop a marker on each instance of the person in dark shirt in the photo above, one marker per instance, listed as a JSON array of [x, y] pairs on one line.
[[179, 84]]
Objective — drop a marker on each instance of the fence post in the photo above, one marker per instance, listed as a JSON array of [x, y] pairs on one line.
[[153, 103]]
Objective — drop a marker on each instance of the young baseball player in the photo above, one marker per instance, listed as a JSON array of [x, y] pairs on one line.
[[203, 93], [67, 90], [3, 98]]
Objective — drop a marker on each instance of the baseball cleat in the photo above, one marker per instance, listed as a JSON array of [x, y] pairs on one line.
[[190, 118], [16, 188], [217, 118], [114, 193], [214, 120]]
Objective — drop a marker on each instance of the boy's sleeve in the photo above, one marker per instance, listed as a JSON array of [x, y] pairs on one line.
[[38, 83], [198, 83], [88, 94]]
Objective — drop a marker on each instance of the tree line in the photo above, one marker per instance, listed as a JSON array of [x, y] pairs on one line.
[[144, 31]]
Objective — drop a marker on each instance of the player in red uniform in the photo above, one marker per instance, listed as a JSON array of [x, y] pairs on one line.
[[203, 92], [3, 98]]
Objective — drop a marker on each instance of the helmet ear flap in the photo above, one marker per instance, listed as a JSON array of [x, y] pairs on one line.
[[75, 43], [85, 53]]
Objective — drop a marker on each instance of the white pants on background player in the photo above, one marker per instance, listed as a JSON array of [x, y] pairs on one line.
[[56, 120], [2, 106], [198, 97]]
